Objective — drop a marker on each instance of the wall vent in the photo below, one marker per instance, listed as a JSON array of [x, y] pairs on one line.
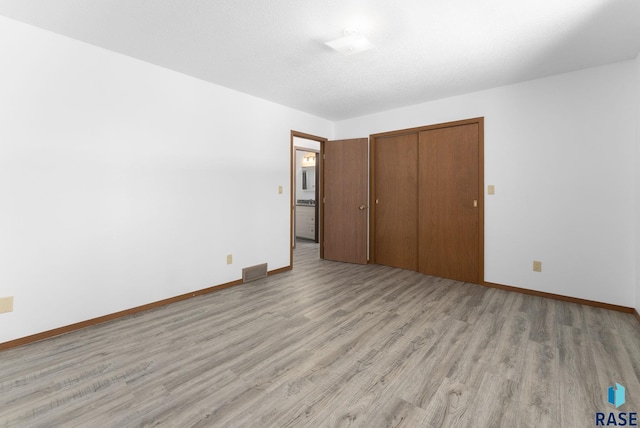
[[252, 273]]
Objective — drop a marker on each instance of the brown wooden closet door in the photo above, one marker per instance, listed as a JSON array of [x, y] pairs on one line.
[[396, 201], [448, 220]]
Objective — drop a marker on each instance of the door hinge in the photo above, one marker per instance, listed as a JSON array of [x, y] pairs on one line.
[[324, 156]]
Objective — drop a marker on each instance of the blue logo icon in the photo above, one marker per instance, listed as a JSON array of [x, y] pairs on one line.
[[616, 395]]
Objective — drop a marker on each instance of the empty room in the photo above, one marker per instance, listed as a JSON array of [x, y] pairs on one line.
[[332, 213]]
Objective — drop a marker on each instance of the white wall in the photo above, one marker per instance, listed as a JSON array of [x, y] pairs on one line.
[[637, 213], [561, 154], [122, 183], [306, 143]]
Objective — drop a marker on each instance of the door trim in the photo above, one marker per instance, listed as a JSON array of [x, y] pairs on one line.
[[292, 172], [372, 190]]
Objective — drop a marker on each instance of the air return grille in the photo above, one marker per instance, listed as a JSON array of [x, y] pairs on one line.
[[252, 273]]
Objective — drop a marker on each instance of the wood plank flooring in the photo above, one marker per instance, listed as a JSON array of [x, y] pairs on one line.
[[332, 344]]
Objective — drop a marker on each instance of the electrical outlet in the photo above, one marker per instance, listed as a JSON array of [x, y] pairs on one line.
[[491, 189], [229, 259], [537, 266], [6, 304]]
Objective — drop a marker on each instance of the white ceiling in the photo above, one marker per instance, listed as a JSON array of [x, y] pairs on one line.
[[424, 49]]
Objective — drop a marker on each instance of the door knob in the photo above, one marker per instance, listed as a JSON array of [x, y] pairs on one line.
[[362, 207]]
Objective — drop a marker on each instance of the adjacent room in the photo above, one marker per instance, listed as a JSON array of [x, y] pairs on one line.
[[354, 213]]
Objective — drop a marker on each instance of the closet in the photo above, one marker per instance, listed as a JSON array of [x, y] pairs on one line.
[[427, 194]]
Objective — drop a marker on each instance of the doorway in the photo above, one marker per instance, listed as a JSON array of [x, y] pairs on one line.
[[305, 191], [340, 197]]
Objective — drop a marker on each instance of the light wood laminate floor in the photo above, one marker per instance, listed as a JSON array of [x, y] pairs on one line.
[[332, 344]]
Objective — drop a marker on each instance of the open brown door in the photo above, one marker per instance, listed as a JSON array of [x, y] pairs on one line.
[[345, 179]]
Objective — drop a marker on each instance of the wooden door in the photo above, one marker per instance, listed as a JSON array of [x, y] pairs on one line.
[[449, 219], [345, 177], [395, 159]]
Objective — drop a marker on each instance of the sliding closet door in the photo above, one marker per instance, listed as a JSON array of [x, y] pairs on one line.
[[449, 217], [395, 160]]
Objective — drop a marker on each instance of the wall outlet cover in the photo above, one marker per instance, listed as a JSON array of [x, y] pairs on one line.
[[6, 304], [537, 266]]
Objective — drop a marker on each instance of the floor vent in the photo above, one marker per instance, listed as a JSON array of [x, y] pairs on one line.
[[252, 273]]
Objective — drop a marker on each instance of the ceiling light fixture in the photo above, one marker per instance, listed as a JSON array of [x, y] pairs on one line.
[[352, 43]]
